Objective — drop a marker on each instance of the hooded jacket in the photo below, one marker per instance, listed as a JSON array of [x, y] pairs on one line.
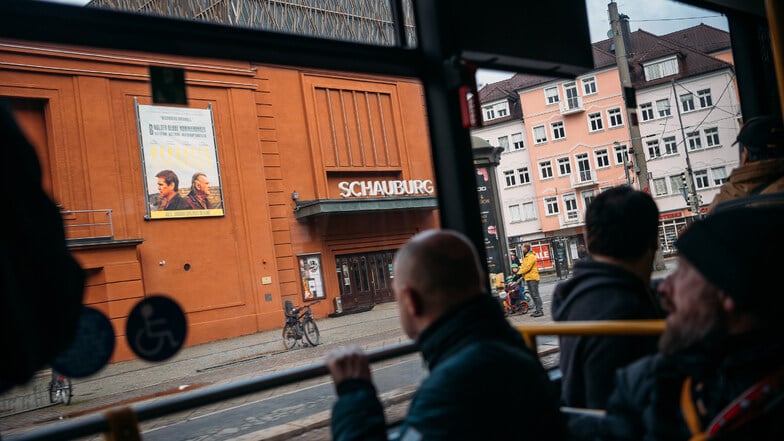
[[600, 291], [484, 384]]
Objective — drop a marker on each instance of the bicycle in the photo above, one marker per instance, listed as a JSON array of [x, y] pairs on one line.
[[60, 390], [299, 324]]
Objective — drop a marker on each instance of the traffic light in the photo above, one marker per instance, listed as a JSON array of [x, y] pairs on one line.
[[684, 188]]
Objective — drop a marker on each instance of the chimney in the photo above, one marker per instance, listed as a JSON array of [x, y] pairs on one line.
[[625, 33]]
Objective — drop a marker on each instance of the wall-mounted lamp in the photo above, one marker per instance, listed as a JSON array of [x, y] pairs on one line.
[[294, 196]]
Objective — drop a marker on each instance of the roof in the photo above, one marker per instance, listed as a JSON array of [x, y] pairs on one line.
[[692, 46], [702, 37]]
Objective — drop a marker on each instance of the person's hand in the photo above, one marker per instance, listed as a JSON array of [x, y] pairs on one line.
[[348, 362]]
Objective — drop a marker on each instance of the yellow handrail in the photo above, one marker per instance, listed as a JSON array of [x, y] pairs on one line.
[[590, 327]]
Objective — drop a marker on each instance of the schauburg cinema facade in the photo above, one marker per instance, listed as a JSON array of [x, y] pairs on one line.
[[315, 179]]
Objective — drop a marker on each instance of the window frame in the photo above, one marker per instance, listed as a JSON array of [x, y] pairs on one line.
[[646, 111], [670, 142], [548, 167], [664, 112], [509, 178], [541, 140], [589, 81], [520, 141], [595, 122], [564, 164], [685, 98], [601, 155], [551, 99], [524, 175], [551, 206], [704, 95], [613, 115], [560, 129]]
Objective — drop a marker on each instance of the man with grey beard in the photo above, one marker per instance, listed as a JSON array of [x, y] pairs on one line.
[[719, 373]]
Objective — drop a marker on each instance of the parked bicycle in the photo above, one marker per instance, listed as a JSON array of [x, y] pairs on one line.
[[299, 324], [60, 390]]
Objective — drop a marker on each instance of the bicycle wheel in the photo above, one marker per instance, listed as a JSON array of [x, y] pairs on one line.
[[65, 391], [311, 332], [53, 398], [289, 336]]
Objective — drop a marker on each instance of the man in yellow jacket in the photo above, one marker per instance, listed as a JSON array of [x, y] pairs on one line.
[[531, 276]]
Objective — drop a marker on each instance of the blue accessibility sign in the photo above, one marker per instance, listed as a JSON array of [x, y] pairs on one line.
[[156, 328]]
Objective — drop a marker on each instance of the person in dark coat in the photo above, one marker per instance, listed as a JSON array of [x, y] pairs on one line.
[[469, 348], [612, 284], [719, 373]]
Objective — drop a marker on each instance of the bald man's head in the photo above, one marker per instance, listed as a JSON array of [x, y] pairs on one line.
[[441, 264]]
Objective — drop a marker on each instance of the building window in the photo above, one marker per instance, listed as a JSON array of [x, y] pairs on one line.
[[687, 102], [589, 85], [528, 211], [546, 169], [659, 187], [509, 176], [704, 96], [663, 107], [489, 113], [496, 111], [564, 166], [517, 141], [595, 122], [670, 146], [621, 154], [551, 205], [646, 111], [653, 149], [676, 183], [660, 69], [540, 135], [719, 175], [558, 130], [583, 167], [551, 94], [503, 142], [602, 158], [694, 141], [570, 205], [522, 173], [514, 213], [614, 115], [712, 137], [701, 178]]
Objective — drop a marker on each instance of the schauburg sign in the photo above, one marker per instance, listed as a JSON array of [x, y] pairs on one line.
[[385, 188]]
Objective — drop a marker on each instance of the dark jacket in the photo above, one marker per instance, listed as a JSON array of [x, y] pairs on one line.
[[177, 203], [600, 291], [484, 384], [646, 402]]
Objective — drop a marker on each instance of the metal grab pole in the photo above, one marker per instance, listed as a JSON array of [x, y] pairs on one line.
[[99, 423]]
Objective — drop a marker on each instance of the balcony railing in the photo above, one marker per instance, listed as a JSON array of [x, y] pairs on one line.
[[88, 225], [584, 178], [572, 105], [571, 218]]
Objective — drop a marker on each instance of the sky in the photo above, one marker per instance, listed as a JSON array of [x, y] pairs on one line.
[[655, 16]]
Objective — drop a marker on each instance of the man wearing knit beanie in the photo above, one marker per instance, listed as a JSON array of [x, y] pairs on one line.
[[720, 366], [761, 153]]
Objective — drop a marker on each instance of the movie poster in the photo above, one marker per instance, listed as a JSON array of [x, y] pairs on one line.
[[310, 274], [179, 162]]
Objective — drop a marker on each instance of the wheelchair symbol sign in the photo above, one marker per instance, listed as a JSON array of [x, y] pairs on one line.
[[156, 328]]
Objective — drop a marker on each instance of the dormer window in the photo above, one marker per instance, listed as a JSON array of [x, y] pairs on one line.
[[661, 68], [494, 111]]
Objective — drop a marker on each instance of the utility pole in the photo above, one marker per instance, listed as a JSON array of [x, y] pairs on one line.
[[629, 98], [630, 101], [694, 199]]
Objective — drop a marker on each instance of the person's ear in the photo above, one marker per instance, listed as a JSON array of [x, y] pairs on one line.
[[414, 302], [744, 155]]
